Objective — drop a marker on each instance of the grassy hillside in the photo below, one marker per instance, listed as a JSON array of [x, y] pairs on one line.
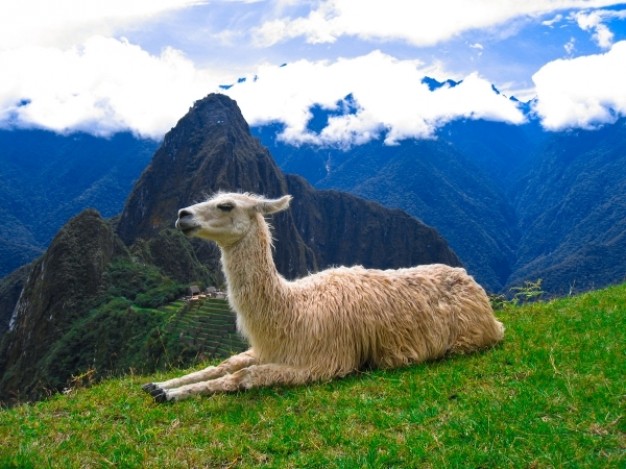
[[552, 395]]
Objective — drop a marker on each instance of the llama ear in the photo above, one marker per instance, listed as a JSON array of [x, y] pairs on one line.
[[267, 207]]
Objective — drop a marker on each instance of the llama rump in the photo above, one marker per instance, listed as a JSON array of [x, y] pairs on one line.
[[327, 324]]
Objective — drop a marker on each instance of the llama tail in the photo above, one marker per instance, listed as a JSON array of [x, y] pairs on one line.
[[501, 330]]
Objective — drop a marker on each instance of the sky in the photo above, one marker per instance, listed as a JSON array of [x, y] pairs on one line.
[[139, 65]]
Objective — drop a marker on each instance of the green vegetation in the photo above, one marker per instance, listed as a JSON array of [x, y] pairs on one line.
[[139, 324], [552, 395], [528, 292], [122, 335], [142, 284]]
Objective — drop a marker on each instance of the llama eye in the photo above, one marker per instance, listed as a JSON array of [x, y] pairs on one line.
[[225, 207]]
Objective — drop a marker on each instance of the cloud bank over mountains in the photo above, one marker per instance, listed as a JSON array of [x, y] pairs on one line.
[[97, 67], [389, 95]]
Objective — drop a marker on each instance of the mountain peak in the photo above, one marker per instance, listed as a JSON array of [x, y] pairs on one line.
[[211, 149], [216, 110]]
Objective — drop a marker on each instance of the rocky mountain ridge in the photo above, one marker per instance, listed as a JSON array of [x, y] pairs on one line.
[[212, 150]]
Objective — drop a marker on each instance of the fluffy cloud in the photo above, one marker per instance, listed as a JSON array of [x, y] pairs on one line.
[[62, 23], [594, 22], [389, 95], [62, 70], [104, 86], [417, 23], [583, 91]]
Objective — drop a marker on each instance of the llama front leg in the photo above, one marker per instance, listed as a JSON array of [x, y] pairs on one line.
[[230, 365], [252, 377]]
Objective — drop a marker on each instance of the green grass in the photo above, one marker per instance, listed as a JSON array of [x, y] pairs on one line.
[[552, 395]]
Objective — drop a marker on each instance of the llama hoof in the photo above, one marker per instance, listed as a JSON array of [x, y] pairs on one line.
[[149, 387], [160, 396], [157, 392]]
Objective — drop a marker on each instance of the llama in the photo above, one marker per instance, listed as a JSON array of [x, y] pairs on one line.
[[328, 324]]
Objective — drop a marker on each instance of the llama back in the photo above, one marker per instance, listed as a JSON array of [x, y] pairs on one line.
[[477, 328], [450, 312], [392, 318]]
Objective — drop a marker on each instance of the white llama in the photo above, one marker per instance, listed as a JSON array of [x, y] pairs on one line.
[[327, 324]]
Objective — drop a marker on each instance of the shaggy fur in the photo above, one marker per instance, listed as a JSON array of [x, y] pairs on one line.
[[331, 323]]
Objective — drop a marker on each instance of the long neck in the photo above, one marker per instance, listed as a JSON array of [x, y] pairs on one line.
[[253, 281]]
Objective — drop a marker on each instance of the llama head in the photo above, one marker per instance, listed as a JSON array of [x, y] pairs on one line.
[[227, 217]]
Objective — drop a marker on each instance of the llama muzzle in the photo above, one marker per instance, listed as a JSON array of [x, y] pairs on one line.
[[186, 223]]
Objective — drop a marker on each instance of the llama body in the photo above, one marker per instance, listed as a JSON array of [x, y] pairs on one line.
[[327, 324]]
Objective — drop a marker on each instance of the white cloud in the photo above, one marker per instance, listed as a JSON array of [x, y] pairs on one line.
[[584, 91], [417, 23], [104, 86], [390, 96], [553, 21], [570, 46], [62, 23], [62, 70], [593, 22]]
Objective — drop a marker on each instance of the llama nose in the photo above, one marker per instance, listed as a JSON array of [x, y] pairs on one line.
[[185, 221]]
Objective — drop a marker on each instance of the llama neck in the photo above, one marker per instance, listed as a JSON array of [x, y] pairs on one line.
[[251, 274]]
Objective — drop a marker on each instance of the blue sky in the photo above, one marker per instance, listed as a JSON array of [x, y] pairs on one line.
[[138, 65]]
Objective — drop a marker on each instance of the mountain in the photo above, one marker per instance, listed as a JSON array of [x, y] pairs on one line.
[[572, 212], [46, 178], [82, 306], [487, 187], [516, 203], [61, 286], [212, 149], [432, 181], [502, 152]]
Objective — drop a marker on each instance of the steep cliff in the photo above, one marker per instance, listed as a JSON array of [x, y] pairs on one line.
[[61, 286], [211, 149]]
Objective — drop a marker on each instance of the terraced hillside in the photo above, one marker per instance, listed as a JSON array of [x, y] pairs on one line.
[[204, 328]]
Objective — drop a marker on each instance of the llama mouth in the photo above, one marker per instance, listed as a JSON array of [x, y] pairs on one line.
[[187, 228]]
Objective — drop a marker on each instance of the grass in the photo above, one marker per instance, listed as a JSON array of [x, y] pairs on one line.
[[552, 395]]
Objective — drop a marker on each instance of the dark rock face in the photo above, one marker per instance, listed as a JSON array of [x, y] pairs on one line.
[[10, 290], [211, 149], [346, 230], [61, 286]]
